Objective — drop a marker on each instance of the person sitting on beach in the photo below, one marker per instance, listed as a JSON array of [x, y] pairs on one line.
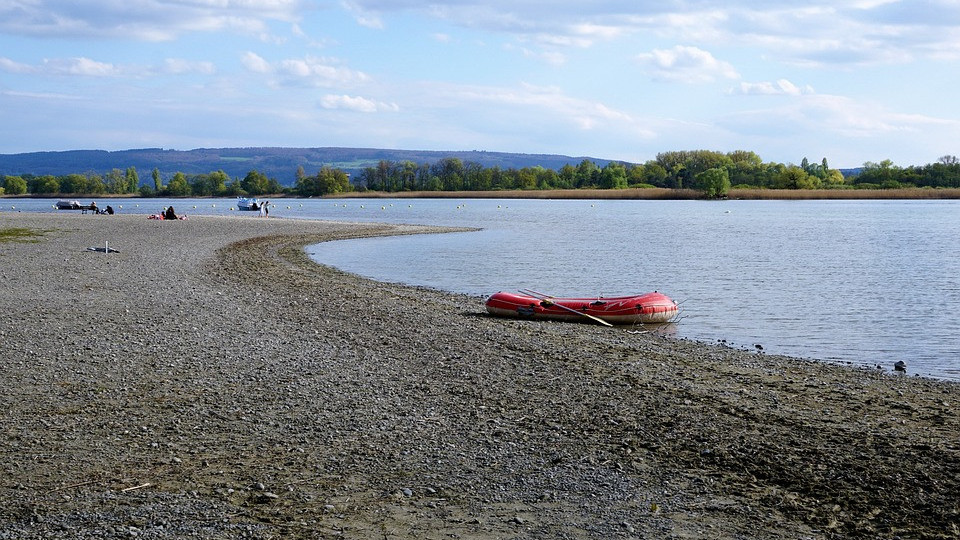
[[93, 207], [170, 214], [109, 210]]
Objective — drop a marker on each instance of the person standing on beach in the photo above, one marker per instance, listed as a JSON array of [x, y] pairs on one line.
[[266, 209]]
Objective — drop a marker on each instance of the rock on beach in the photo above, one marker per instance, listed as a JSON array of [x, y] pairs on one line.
[[210, 381]]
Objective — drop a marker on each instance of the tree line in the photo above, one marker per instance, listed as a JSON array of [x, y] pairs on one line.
[[713, 173], [945, 173], [214, 184]]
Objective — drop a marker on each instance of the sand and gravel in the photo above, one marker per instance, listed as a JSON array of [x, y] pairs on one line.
[[210, 381]]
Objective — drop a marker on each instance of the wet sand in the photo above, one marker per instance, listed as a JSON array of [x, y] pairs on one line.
[[210, 381]]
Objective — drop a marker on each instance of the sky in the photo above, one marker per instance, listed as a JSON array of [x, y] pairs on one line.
[[851, 81]]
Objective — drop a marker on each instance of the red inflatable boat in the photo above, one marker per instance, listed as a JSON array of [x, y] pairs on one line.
[[650, 307]]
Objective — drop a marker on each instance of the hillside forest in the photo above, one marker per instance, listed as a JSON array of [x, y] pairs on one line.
[[712, 173]]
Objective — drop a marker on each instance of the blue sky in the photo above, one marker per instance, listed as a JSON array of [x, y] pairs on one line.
[[852, 81]]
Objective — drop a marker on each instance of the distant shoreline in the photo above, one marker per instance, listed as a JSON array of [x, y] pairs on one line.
[[601, 194], [665, 194]]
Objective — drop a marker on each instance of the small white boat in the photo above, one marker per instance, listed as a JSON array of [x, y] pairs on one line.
[[69, 205], [245, 203]]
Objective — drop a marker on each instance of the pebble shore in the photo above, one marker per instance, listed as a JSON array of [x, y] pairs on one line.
[[210, 381]]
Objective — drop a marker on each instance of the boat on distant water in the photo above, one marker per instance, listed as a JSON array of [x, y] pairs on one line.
[[651, 307], [245, 203], [69, 205]]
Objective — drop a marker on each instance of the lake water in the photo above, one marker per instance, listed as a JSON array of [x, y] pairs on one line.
[[864, 282]]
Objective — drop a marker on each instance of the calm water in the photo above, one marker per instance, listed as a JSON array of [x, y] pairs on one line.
[[866, 282]]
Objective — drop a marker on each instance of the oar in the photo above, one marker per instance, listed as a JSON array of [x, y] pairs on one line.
[[546, 299]]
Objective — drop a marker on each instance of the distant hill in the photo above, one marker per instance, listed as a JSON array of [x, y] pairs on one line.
[[278, 163]]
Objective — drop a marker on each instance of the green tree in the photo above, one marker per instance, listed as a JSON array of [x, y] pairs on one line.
[[613, 176], [587, 174], [95, 184], [794, 177], [14, 185], [214, 183], [567, 175], [450, 173], [157, 180], [116, 181], [257, 183], [878, 173], [178, 186], [715, 183], [745, 157], [833, 178], [326, 181], [133, 180], [46, 185], [74, 183], [654, 174]]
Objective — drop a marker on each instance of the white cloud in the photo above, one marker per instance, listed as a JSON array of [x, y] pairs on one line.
[[306, 71], [179, 66], [320, 72], [685, 64], [815, 33], [47, 96], [11, 66], [583, 114], [831, 115], [552, 58], [364, 17], [779, 87], [81, 66], [356, 103], [256, 63], [86, 67], [158, 20]]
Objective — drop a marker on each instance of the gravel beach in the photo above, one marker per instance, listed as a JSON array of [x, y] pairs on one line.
[[210, 381]]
